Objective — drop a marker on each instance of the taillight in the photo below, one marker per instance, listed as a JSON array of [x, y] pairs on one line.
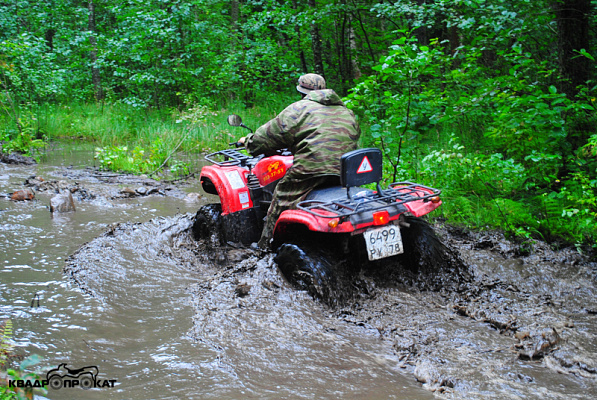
[[333, 223], [381, 217]]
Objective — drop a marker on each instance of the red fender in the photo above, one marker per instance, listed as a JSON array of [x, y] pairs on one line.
[[230, 184]]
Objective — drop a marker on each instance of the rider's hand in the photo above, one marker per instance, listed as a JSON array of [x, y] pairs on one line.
[[242, 140]]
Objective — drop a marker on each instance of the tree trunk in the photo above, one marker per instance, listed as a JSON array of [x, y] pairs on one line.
[[234, 14], [573, 18], [297, 31], [316, 44], [49, 36], [95, 73], [352, 43]]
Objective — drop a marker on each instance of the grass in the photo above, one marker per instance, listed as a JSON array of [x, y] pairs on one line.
[[118, 124], [140, 141]]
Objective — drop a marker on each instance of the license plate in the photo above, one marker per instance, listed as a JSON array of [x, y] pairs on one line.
[[383, 242]]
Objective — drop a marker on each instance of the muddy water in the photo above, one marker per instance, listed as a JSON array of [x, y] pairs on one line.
[[168, 317], [119, 284]]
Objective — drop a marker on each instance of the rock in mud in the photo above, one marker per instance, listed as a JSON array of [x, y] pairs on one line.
[[15, 158], [62, 203], [22, 195], [242, 290], [128, 192], [428, 375], [41, 185], [192, 197]]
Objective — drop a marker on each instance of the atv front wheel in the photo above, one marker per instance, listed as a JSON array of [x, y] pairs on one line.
[[307, 269], [207, 224]]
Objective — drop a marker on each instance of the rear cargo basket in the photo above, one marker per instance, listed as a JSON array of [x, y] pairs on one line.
[[398, 193]]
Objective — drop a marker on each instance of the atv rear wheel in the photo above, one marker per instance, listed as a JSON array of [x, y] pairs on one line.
[[307, 269], [208, 225], [422, 248]]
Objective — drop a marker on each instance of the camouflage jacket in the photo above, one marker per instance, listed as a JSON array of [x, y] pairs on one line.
[[317, 130]]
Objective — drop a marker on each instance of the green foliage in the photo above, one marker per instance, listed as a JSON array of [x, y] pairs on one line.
[[23, 141], [28, 73], [467, 95], [137, 160], [6, 345], [20, 373], [485, 136]]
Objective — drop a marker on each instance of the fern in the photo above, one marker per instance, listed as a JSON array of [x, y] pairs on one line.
[[6, 345]]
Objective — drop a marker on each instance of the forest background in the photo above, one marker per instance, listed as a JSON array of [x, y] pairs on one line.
[[492, 101]]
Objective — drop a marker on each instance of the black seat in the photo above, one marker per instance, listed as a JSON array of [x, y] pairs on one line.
[[327, 194]]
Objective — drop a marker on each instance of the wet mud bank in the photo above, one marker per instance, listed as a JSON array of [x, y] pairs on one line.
[[513, 327], [473, 320]]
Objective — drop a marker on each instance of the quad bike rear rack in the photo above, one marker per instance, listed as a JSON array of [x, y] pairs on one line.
[[397, 194]]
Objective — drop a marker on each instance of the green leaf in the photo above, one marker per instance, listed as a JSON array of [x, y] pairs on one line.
[[586, 54], [30, 361]]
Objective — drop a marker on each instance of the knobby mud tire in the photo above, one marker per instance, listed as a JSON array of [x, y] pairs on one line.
[[207, 225], [308, 269]]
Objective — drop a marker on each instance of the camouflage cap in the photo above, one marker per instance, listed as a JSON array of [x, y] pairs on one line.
[[309, 82]]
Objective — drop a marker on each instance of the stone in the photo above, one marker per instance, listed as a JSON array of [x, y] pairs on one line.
[[128, 192], [62, 203], [192, 197], [22, 195], [242, 290], [15, 158]]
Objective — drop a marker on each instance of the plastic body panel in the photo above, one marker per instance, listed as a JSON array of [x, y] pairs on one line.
[[318, 220], [271, 169], [230, 184]]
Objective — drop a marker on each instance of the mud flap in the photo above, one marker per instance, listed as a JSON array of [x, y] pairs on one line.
[[241, 227]]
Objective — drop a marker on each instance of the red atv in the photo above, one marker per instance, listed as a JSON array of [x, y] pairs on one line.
[[344, 222]]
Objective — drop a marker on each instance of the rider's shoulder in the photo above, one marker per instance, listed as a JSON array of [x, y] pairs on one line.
[[325, 97]]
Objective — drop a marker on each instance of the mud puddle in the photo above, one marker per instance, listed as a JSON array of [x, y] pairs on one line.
[[517, 327], [133, 337], [168, 318], [505, 327], [255, 336]]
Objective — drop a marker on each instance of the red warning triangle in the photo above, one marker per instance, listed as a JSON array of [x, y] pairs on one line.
[[365, 166]]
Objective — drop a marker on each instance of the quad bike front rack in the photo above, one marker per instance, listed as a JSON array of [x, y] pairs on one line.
[[228, 158]]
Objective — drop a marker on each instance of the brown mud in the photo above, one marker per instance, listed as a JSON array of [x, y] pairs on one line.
[[474, 320]]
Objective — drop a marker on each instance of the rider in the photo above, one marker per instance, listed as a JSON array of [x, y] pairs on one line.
[[317, 130]]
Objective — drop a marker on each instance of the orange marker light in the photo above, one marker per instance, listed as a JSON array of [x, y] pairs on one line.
[[435, 199], [333, 223], [381, 217]]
